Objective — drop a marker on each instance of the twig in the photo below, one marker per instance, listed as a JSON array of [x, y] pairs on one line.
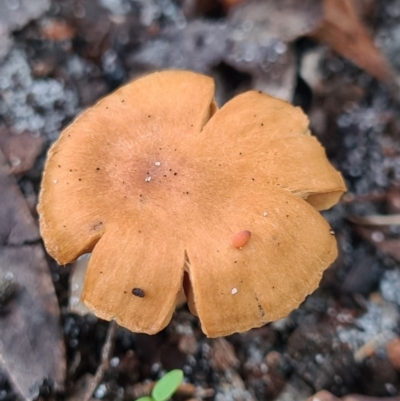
[[92, 382]]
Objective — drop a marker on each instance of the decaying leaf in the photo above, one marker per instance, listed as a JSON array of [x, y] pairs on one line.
[[20, 150], [341, 29], [31, 345], [16, 223]]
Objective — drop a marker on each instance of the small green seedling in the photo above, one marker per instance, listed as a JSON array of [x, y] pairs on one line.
[[165, 387]]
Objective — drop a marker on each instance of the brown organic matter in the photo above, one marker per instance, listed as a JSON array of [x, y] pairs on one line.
[[155, 181]]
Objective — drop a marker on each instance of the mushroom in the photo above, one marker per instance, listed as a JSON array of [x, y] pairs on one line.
[[168, 192]]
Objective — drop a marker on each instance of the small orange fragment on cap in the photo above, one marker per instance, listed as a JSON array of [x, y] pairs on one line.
[[240, 238], [154, 180]]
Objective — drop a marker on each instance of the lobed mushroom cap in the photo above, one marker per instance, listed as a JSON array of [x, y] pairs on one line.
[[156, 183]]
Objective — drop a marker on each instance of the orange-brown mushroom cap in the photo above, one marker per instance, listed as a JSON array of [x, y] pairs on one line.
[[156, 182]]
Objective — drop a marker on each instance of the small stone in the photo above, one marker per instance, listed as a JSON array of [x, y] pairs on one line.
[[55, 181], [265, 214], [158, 164], [377, 236], [147, 179], [234, 291]]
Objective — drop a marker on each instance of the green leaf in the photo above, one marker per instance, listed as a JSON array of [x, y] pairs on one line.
[[145, 399], [167, 385]]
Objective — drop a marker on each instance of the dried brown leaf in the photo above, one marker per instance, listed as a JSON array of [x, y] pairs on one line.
[[31, 345], [17, 226], [20, 150], [341, 29]]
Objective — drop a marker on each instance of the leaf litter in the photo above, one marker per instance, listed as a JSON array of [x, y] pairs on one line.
[[31, 347]]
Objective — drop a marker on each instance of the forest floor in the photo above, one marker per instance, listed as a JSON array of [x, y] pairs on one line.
[[58, 58]]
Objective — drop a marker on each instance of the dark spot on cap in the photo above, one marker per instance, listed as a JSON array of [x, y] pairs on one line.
[[138, 292], [98, 226]]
